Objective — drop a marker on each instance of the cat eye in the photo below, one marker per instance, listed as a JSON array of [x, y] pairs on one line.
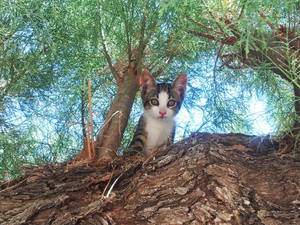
[[171, 103], [154, 102]]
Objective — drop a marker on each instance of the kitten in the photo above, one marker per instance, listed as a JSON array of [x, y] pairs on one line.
[[162, 102]]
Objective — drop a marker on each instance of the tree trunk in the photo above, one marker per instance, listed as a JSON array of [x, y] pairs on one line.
[[110, 135], [205, 179]]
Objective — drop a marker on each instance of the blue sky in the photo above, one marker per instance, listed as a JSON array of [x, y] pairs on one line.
[[256, 114]]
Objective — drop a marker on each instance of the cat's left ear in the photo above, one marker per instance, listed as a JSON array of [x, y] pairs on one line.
[[147, 81], [179, 84]]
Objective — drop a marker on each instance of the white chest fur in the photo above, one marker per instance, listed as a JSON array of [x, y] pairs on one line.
[[158, 131]]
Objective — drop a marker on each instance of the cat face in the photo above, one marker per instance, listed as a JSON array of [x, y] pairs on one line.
[[162, 101]]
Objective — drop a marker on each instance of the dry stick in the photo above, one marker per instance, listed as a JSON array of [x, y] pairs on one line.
[[91, 119], [112, 186], [88, 140], [108, 183], [85, 142]]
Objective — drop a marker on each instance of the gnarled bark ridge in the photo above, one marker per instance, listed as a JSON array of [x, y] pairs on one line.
[[204, 179]]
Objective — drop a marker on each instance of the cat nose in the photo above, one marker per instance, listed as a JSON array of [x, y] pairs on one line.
[[162, 113]]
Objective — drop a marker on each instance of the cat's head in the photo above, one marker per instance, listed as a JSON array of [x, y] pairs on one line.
[[162, 100]]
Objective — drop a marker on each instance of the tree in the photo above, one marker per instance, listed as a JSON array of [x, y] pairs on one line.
[[274, 47], [143, 32], [208, 178], [278, 50], [27, 58], [75, 52]]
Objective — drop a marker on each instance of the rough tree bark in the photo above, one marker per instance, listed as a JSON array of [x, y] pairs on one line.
[[110, 135], [205, 179]]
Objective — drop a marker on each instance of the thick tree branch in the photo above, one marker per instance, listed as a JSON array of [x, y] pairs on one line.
[[204, 179]]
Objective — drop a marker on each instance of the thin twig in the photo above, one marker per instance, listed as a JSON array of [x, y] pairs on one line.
[[213, 17], [265, 18], [142, 44], [216, 61], [91, 119], [103, 128], [215, 71], [108, 183], [203, 26], [202, 34], [230, 58], [88, 141], [242, 10], [112, 186], [162, 68], [112, 117], [108, 58], [128, 39], [8, 37]]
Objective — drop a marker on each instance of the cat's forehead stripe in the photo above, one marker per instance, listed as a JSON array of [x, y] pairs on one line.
[[163, 98]]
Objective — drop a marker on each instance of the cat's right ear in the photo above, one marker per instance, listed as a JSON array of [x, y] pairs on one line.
[[147, 81]]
